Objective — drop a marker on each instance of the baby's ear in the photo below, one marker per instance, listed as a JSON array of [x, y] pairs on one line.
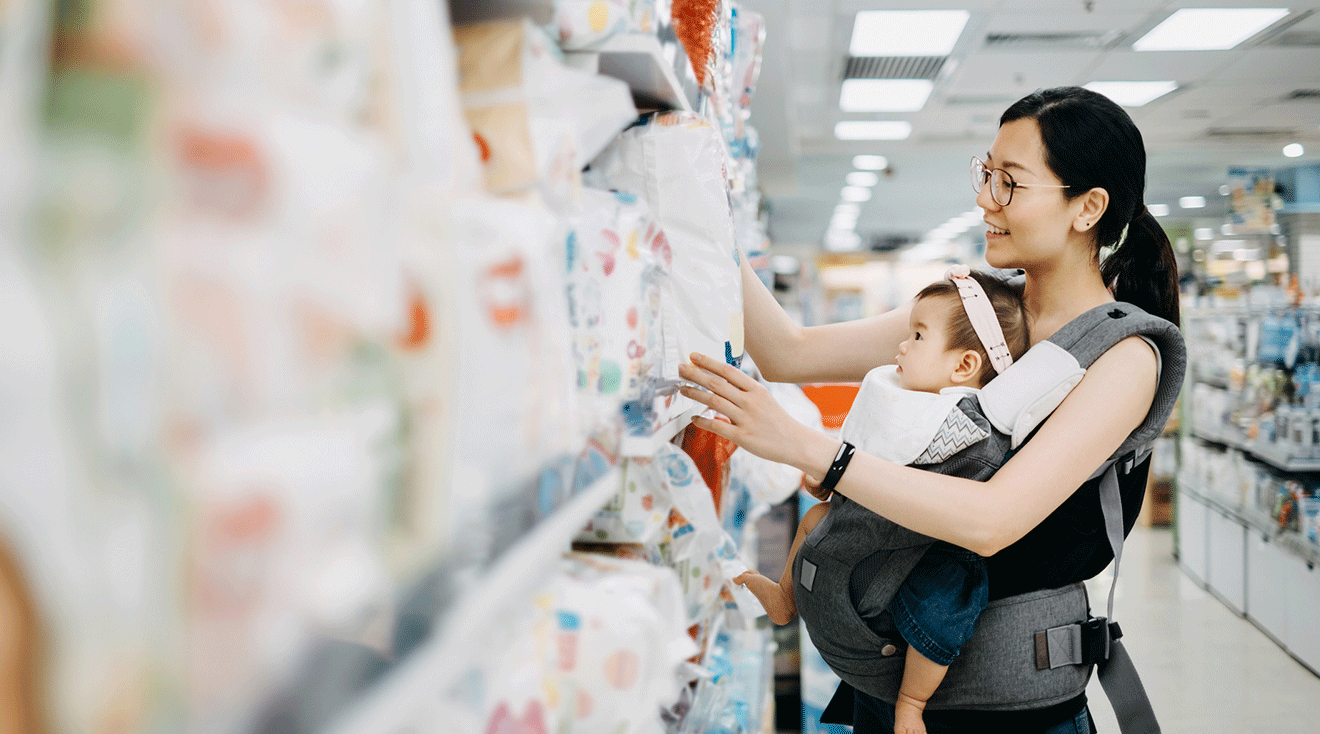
[[969, 367]]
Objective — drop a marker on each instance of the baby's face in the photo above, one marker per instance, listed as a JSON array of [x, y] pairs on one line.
[[925, 362]]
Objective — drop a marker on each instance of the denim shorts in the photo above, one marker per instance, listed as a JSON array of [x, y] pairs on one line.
[[936, 608]]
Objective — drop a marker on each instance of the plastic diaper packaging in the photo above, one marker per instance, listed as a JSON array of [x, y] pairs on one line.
[[638, 513], [535, 120], [579, 24], [675, 161], [619, 635], [513, 392], [617, 260], [697, 547]]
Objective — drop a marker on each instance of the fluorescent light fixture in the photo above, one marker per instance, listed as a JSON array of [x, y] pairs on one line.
[[1208, 29], [845, 219], [1192, 202], [873, 130], [1225, 190], [855, 194], [884, 95], [1158, 210], [1132, 94], [906, 32], [1293, 150], [1204, 233], [862, 178], [870, 162], [1226, 229], [853, 209]]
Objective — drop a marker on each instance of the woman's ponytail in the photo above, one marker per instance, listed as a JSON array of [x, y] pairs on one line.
[[1143, 270]]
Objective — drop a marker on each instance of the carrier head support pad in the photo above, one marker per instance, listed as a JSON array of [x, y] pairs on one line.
[[1024, 395]]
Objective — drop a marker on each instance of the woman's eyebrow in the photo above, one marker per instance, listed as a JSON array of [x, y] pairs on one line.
[[1006, 164]]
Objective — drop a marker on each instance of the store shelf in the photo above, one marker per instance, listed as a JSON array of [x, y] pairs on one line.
[[1290, 541], [646, 65], [463, 12], [1268, 453], [437, 665], [646, 446]]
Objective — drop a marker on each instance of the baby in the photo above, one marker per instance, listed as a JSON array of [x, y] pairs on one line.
[[964, 330]]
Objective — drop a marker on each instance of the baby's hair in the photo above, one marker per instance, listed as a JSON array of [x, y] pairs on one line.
[[1009, 310]]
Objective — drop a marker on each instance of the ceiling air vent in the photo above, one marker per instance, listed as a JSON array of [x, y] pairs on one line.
[[1303, 95], [1063, 40], [893, 67], [1296, 38], [1241, 134]]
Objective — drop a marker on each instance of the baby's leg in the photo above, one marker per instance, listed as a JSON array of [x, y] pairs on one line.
[[777, 598], [921, 676]]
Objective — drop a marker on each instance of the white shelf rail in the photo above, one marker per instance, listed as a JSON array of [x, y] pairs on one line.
[[419, 684]]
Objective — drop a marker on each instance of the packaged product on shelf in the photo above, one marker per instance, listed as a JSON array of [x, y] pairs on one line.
[[515, 375], [285, 542], [618, 260], [731, 697], [597, 652], [579, 24], [676, 163], [638, 513], [696, 545], [536, 121]]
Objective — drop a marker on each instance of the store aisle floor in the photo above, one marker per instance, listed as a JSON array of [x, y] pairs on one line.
[[1206, 668]]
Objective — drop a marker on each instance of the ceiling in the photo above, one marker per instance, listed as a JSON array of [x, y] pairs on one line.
[[1231, 108]]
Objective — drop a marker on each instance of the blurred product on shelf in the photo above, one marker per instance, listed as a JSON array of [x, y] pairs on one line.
[[580, 24], [536, 121], [318, 357]]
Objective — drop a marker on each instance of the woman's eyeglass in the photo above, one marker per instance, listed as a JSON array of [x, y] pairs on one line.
[[1001, 184]]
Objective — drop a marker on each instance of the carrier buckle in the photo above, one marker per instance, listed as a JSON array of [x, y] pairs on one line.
[[1085, 643]]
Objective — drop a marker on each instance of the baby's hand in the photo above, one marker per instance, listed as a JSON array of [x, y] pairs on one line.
[[742, 578], [812, 485]]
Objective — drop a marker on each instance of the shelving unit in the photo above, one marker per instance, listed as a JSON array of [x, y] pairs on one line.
[[1270, 577], [1268, 453], [390, 706], [1236, 551], [645, 64]]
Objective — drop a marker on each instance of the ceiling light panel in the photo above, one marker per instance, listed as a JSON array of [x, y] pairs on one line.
[[1208, 29], [1158, 210], [870, 162], [1192, 202], [884, 95], [873, 130], [1132, 94], [907, 32], [855, 194], [862, 178]]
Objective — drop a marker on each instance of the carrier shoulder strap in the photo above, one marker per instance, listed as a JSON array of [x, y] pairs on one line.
[[1086, 338]]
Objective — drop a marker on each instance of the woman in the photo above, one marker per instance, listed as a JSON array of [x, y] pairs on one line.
[[1064, 178]]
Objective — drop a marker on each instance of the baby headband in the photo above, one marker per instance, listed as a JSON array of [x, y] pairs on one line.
[[982, 315]]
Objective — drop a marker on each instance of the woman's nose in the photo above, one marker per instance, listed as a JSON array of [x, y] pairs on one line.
[[985, 200]]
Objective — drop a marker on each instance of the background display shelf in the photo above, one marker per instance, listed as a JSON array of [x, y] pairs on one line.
[[1268, 453], [646, 64]]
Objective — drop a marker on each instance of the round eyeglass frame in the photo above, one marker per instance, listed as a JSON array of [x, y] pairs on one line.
[[981, 174]]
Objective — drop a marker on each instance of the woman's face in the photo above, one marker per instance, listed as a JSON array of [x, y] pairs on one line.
[[1033, 229]]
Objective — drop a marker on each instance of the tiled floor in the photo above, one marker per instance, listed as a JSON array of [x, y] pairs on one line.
[[1205, 668]]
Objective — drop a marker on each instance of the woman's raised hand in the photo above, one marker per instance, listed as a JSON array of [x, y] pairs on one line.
[[756, 422]]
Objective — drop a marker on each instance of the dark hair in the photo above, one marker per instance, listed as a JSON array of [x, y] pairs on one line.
[[1009, 311], [1091, 142]]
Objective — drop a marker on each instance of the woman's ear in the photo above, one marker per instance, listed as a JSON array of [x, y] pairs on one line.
[[968, 368], [1093, 206]]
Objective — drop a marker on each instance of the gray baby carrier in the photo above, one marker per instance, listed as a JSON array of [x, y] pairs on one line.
[[1029, 651]]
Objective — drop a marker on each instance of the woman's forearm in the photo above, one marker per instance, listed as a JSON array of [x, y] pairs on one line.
[[770, 335], [951, 509], [843, 352]]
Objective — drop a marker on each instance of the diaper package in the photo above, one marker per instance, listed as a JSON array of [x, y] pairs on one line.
[[675, 161], [536, 121], [617, 261], [514, 382]]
